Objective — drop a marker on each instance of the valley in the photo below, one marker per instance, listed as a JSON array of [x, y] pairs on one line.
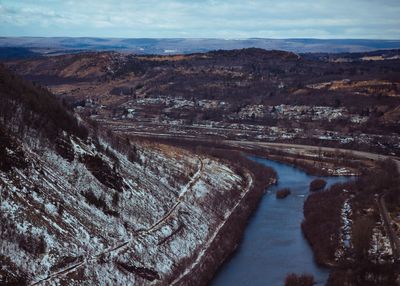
[[73, 204], [133, 169], [247, 94]]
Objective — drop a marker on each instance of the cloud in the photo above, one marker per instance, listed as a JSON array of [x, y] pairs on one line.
[[207, 18]]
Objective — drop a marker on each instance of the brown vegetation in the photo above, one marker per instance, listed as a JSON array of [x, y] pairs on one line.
[[103, 172], [322, 221], [11, 154], [36, 107], [299, 280], [317, 184], [283, 193], [10, 275], [322, 226], [99, 203]]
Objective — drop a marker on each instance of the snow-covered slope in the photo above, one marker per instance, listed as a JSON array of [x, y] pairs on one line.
[[148, 230], [75, 211]]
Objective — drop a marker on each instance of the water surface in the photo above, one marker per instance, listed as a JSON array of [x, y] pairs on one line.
[[273, 244]]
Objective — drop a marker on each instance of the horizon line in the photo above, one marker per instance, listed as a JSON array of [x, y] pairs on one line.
[[206, 38]]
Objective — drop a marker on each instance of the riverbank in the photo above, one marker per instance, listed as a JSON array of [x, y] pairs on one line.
[[219, 248], [273, 244]]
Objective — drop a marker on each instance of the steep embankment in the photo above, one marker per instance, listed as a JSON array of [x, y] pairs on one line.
[[79, 209]]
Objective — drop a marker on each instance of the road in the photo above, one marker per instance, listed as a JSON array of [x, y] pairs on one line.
[[305, 148], [394, 240], [258, 144]]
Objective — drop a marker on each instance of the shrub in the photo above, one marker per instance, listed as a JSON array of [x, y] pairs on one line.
[[115, 199], [93, 200], [103, 172], [133, 155], [31, 244], [8, 159], [299, 280], [99, 203], [283, 193], [65, 149], [362, 234], [36, 107], [317, 184]]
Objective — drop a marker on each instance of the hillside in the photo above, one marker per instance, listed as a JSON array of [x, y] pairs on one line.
[[81, 206], [250, 94]]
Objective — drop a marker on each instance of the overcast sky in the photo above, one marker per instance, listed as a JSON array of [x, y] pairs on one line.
[[367, 19]]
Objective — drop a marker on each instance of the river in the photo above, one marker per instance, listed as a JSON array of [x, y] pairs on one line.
[[273, 244]]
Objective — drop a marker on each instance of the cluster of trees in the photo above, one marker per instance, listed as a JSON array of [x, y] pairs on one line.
[[118, 142], [9, 159], [251, 74], [317, 184], [100, 202], [323, 222], [283, 193], [26, 105], [382, 180], [293, 279], [103, 172]]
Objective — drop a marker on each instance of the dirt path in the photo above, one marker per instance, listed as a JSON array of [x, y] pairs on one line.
[[115, 249], [216, 232], [195, 178]]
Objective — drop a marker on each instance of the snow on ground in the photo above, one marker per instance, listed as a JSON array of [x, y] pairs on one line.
[[380, 246], [170, 204], [347, 222], [345, 230]]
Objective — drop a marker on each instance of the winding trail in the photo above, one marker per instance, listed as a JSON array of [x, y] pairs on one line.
[[195, 178], [217, 230], [115, 249]]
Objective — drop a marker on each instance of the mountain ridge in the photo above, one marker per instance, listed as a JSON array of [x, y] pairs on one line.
[[55, 45]]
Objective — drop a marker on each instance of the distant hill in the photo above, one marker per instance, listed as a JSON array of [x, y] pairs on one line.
[[12, 53], [51, 46]]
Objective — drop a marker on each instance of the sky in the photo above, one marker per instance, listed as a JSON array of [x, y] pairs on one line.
[[229, 19]]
